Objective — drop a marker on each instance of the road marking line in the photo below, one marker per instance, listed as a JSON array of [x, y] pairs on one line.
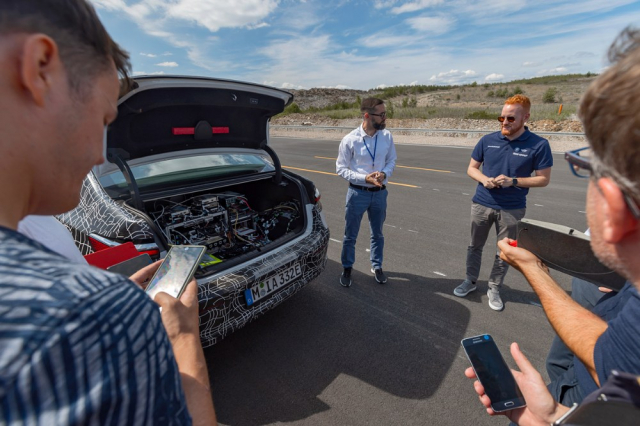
[[368, 250], [334, 240], [436, 189], [439, 273], [580, 211], [333, 174], [536, 304], [391, 226], [411, 230], [539, 205], [404, 167], [464, 193]]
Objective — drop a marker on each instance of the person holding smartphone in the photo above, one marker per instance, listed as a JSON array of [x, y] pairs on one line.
[[79, 345], [610, 112]]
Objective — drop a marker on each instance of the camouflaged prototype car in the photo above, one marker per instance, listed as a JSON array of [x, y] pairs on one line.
[[188, 162]]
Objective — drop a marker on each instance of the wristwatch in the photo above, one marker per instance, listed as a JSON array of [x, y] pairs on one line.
[[514, 182]]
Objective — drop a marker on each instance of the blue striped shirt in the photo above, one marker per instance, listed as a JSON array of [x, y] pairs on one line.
[[79, 345]]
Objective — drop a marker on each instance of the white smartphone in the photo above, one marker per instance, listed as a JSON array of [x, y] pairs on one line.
[[493, 372], [176, 270]]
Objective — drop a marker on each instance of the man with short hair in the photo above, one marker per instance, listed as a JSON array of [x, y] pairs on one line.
[[366, 159], [508, 159], [78, 345], [610, 112]]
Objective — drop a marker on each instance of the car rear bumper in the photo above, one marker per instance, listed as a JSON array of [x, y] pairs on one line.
[[223, 308]]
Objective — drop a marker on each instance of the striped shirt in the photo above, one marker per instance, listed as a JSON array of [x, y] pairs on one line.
[[79, 345]]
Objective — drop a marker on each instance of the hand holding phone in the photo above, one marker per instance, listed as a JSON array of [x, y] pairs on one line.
[[493, 373], [176, 271], [541, 407]]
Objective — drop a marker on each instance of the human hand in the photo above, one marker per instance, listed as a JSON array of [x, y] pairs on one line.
[[504, 181], [490, 183], [144, 275], [372, 178], [541, 408], [518, 257], [180, 316]]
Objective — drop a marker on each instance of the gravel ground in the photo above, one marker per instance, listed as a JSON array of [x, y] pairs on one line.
[[559, 143]]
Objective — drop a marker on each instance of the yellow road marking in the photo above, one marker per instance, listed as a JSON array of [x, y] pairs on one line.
[[404, 167], [333, 174]]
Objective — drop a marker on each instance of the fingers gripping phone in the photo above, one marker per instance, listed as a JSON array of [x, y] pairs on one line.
[[493, 373], [176, 271]]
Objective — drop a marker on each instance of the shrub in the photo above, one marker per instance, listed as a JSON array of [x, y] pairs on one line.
[[474, 84], [549, 96], [292, 109], [486, 85], [490, 94], [518, 91], [482, 115], [458, 97], [390, 111]]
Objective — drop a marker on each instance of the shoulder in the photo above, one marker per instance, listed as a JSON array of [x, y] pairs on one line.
[[351, 137], [537, 141]]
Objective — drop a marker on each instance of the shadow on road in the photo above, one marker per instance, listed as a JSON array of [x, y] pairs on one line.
[[401, 338]]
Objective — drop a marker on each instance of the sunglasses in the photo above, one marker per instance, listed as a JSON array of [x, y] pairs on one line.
[[580, 164], [381, 115], [510, 119]]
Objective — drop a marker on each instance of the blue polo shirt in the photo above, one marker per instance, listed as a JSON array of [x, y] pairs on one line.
[[618, 348], [517, 158]]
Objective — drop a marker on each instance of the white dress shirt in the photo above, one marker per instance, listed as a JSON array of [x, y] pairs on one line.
[[360, 154]]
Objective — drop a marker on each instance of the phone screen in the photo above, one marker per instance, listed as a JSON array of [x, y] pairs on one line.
[[176, 271], [493, 372]]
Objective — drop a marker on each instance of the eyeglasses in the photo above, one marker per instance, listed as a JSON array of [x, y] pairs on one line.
[[381, 115], [510, 119], [580, 164]]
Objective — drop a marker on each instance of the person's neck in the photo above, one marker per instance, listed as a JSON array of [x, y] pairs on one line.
[[367, 130]]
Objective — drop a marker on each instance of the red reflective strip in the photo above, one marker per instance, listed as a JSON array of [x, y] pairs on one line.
[[183, 130], [153, 253], [192, 130]]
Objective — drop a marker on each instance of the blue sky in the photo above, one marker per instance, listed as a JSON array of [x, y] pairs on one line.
[[357, 44]]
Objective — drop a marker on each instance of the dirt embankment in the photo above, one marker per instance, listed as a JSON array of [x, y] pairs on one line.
[[571, 126]]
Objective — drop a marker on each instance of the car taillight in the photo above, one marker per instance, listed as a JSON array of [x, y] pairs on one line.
[[316, 195]]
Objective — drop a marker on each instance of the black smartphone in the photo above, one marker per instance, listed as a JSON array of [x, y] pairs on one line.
[[131, 266], [176, 270], [493, 372]]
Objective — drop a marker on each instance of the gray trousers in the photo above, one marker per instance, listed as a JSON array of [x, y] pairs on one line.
[[482, 219]]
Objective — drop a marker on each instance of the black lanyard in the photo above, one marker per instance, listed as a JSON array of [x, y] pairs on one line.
[[375, 148]]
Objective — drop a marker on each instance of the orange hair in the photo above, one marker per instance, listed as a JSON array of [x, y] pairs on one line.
[[519, 99]]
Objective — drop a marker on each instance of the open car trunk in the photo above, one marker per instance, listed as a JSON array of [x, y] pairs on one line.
[[236, 223]]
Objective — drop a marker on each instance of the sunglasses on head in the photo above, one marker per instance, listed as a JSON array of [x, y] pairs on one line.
[[510, 119]]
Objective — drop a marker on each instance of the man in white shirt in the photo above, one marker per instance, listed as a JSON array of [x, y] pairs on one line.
[[366, 159], [52, 234]]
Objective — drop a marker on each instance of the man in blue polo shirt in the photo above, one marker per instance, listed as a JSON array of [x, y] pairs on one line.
[[508, 159]]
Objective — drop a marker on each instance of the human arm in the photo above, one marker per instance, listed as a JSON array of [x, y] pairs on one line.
[[343, 164], [474, 173], [180, 319], [390, 160], [578, 327], [541, 408], [540, 179]]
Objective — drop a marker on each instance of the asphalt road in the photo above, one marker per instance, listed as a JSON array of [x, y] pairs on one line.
[[388, 354]]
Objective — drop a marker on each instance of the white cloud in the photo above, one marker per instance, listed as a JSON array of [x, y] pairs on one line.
[[413, 6], [494, 77], [216, 14], [148, 73], [286, 85], [383, 39], [167, 64], [530, 64], [413, 83], [433, 24], [148, 55], [453, 76]]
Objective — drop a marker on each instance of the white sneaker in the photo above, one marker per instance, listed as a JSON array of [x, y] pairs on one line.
[[495, 302]]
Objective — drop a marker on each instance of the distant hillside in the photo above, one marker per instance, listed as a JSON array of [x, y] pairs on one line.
[[471, 101]]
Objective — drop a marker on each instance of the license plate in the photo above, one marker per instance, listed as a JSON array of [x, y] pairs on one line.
[[272, 284]]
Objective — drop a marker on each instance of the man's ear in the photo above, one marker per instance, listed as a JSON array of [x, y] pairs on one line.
[[618, 219], [40, 66]]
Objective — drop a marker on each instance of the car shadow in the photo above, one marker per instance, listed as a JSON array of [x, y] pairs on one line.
[[394, 337]]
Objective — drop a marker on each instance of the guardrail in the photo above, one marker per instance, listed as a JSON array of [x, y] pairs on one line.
[[412, 130]]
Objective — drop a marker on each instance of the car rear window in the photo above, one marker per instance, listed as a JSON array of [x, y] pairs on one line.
[[187, 170]]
